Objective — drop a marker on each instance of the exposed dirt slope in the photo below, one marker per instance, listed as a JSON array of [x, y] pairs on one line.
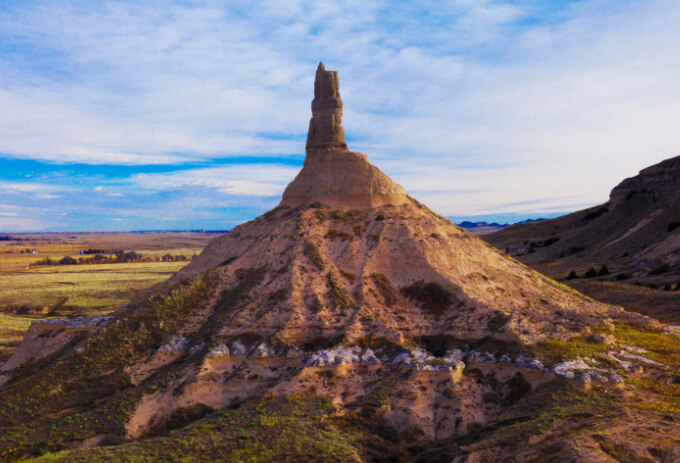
[[397, 272]]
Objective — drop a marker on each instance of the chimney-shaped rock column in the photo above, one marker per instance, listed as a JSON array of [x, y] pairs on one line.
[[325, 127]]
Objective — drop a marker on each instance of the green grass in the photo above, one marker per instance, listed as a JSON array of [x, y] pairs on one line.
[[664, 348], [659, 394], [276, 429], [656, 303], [84, 393], [556, 350]]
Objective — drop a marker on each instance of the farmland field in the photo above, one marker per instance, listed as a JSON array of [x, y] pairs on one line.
[[29, 291]]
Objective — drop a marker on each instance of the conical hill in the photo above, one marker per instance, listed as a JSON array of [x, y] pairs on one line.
[[349, 290], [347, 253]]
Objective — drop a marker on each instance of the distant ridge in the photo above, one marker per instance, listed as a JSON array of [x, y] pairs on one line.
[[635, 235]]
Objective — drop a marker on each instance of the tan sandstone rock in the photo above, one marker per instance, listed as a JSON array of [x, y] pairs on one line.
[[332, 174]]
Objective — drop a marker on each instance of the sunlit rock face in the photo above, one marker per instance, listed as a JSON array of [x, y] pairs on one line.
[[325, 127], [333, 175]]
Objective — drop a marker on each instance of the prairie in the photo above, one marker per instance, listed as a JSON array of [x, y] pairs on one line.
[[29, 292]]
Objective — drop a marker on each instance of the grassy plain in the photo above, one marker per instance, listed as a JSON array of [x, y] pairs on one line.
[[29, 292]]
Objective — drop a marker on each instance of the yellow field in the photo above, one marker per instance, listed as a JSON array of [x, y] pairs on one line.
[[12, 329], [80, 288], [35, 292]]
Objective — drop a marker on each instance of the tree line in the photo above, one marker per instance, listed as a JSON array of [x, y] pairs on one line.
[[117, 257]]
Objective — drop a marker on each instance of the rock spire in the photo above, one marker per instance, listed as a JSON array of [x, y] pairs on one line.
[[325, 126], [333, 175]]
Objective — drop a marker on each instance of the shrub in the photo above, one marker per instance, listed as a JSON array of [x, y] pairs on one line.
[[603, 271], [349, 275], [660, 270], [320, 215], [623, 276], [388, 292], [550, 241], [431, 296], [341, 300], [117, 257], [68, 260], [673, 225], [335, 234], [572, 275], [591, 273], [571, 250], [314, 254]]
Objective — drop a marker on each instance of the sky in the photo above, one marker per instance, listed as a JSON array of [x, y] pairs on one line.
[[147, 115]]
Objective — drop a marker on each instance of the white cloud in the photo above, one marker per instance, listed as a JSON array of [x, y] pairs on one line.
[[239, 180], [20, 224], [27, 187], [475, 106]]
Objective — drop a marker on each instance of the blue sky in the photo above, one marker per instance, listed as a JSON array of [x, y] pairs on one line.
[[128, 115]]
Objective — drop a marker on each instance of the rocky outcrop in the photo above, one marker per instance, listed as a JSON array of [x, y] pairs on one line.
[[342, 179], [417, 358], [658, 182], [333, 175], [325, 126]]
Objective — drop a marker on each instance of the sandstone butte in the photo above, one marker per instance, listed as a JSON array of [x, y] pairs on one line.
[[348, 290]]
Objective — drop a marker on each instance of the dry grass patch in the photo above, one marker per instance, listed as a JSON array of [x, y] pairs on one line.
[[314, 254], [387, 290], [82, 288], [341, 300]]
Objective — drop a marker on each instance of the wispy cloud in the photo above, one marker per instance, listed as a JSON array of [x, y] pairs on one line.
[[244, 179], [474, 105], [35, 188]]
